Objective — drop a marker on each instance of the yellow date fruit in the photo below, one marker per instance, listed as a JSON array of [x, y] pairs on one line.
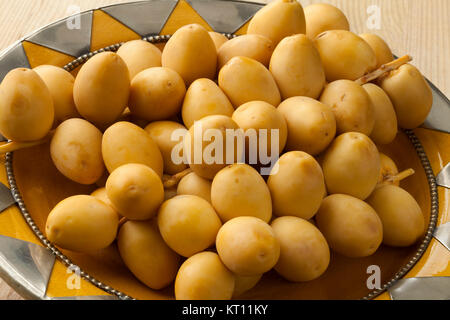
[[156, 94], [322, 17], [204, 98], [76, 151], [188, 224], [278, 19], [195, 185], [385, 127], [296, 185], [351, 105], [304, 254], [388, 169], [191, 53], [136, 191], [102, 88], [218, 39], [146, 254], [60, 83], [380, 47], [410, 94], [344, 55], [26, 106], [253, 46], [244, 79], [239, 190], [205, 154], [351, 165], [351, 226], [204, 277], [82, 223], [247, 246], [258, 116], [125, 142], [297, 68], [161, 132], [139, 55], [402, 218], [311, 124], [244, 283]]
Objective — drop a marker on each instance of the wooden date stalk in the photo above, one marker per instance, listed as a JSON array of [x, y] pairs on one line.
[[171, 181], [398, 177], [16, 145], [384, 69]]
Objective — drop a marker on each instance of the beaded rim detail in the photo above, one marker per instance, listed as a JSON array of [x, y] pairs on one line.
[[164, 38]]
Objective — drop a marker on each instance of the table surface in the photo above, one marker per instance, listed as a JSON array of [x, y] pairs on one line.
[[420, 28]]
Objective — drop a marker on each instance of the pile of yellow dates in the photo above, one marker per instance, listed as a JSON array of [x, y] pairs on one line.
[[214, 229]]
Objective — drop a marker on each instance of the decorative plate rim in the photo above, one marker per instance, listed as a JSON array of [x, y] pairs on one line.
[[434, 209]]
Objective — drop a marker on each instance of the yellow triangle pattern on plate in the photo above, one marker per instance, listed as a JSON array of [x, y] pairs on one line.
[[182, 15], [243, 30], [65, 282], [107, 31], [13, 224], [38, 55]]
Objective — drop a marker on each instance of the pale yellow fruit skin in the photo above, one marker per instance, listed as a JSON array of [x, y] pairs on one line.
[[247, 246], [385, 127], [351, 165], [297, 68], [136, 191], [195, 185], [239, 190], [387, 168], [351, 105], [60, 84], [82, 223], [161, 133], [322, 17], [244, 283], [204, 98], [262, 115], [204, 169], [101, 194], [311, 124], [255, 46], [26, 106], [125, 142], [156, 94], [192, 53], [351, 227], [76, 151], [204, 277], [402, 218], [410, 94], [304, 254], [296, 185], [139, 55], [278, 19], [218, 39], [244, 79], [344, 55], [380, 47], [102, 88], [188, 224], [146, 254]]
